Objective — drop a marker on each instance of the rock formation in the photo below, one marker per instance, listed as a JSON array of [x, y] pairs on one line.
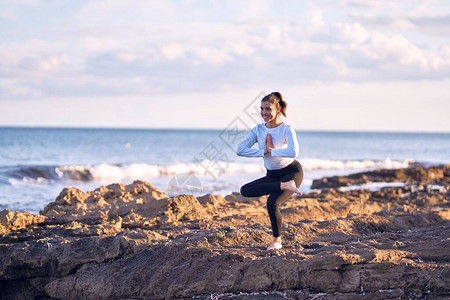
[[134, 242]]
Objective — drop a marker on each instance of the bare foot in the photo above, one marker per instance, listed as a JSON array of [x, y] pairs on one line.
[[290, 186], [276, 245]]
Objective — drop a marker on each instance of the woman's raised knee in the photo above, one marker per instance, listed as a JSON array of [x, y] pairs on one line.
[[244, 191]]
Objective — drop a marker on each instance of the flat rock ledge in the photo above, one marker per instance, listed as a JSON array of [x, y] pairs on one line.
[[135, 242]]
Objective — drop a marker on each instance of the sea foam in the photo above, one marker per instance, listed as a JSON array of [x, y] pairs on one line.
[[113, 172]]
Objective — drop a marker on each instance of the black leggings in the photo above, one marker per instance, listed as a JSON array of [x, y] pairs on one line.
[[270, 184]]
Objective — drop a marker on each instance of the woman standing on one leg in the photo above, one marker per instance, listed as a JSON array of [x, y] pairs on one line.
[[278, 146]]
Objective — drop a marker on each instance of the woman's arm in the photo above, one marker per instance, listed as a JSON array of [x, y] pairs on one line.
[[244, 148], [292, 145]]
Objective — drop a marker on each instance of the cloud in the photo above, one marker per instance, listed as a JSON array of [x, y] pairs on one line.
[[16, 89], [363, 5], [438, 24], [12, 9], [172, 51], [152, 47]]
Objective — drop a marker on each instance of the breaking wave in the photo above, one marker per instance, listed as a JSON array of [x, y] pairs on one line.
[[112, 172]]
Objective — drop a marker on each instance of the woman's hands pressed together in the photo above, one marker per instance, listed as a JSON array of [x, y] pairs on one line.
[[269, 144]]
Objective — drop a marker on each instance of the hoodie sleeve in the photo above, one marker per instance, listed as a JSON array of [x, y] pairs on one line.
[[245, 147], [292, 145]]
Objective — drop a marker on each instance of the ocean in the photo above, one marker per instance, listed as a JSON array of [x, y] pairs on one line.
[[37, 163]]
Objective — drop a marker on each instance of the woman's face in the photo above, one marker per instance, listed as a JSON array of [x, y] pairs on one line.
[[269, 111]]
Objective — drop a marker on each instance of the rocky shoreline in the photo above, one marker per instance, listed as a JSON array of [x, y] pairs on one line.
[[134, 242]]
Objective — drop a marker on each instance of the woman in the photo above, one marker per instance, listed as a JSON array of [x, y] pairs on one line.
[[278, 146]]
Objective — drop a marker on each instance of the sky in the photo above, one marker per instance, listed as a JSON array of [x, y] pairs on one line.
[[340, 64]]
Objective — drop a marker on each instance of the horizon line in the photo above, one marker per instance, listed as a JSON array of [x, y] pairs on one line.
[[213, 129]]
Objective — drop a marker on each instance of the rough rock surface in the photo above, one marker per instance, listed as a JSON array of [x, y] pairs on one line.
[[134, 242], [10, 220], [413, 176]]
